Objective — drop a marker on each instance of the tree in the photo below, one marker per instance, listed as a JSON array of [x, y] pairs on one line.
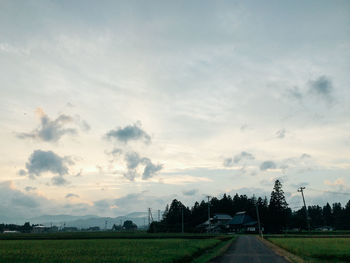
[[129, 225], [315, 214], [278, 208], [116, 227], [327, 215], [173, 217], [347, 215], [26, 228]]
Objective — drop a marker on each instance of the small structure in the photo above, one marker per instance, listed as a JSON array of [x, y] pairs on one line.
[[69, 229], [94, 229], [44, 229], [242, 222], [40, 229]]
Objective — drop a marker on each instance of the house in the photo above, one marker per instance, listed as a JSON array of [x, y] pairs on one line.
[[242, 222], [218, 223]]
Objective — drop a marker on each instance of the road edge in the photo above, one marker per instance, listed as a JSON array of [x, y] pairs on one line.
[[282, 252], [216, 252]]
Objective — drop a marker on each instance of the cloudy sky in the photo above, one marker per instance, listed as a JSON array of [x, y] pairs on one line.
[[110, 107]]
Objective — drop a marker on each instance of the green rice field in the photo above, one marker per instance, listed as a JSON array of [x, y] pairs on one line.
[[174, 250], [318, 250]]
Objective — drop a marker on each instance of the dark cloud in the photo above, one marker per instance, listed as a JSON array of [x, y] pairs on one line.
[[228, 162], [29, 188], [24, 201], [295, 93], [243, 156], [243, 127], [70, 195], [59, 180], [129, 199], [281, 133], [85, 126], [52, 130], [47, 161], [133, 160], [80, 173], [22, 172], [102, 204], [17, 204], [190, 192], [150, 169], [130, 175], [116, 152], [267, 165], [129, 133], [322, 86], [301, 163], [305, 156]]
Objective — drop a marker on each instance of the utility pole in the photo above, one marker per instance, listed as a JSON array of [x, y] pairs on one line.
[[257, 215], [158, 215], [209, 212], [182, 219], [150, 217], [301, 190]]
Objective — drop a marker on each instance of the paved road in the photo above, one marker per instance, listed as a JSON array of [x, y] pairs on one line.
[[248, 249]]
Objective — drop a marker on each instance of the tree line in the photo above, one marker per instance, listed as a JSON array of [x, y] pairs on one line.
[[275, 214], [25, 228]]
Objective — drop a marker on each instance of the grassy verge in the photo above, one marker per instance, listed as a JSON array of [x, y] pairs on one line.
[[216, 251], [318, 250], [100, 235], [290, 257]]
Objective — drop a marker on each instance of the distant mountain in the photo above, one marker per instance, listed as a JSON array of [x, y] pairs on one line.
[[139, 218], [137, 214], [86, 221], [57, 218]]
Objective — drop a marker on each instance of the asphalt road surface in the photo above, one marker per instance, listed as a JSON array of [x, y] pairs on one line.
[[248, 249]]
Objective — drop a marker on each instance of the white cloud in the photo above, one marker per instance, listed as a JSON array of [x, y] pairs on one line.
[[336, 182]]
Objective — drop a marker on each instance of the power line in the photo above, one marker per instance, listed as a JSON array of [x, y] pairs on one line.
[[326, 191]]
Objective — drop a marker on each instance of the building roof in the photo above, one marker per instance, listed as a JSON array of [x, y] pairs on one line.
[[39, 226], [222, 217], [241, 218]]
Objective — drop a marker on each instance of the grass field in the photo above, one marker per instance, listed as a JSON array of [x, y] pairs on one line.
[[101, 235], [104, 250], [318, 250]]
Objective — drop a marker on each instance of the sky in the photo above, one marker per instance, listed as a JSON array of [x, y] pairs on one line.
[[112, 107]]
